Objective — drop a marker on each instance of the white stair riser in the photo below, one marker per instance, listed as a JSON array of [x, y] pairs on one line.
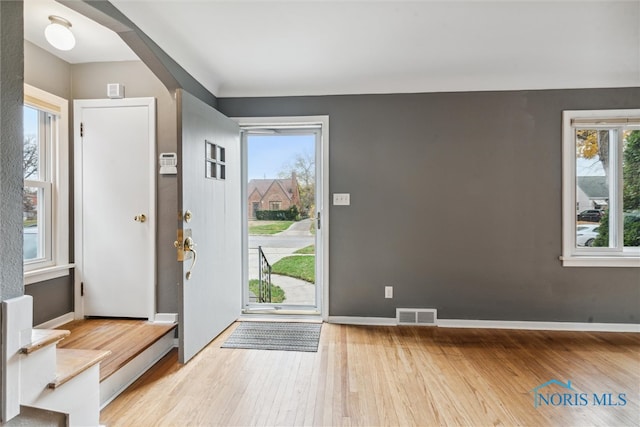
[[111, 387], [37, 370], [27, 376], [79, 397]]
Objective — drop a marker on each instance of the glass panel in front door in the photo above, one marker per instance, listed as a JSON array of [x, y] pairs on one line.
[[281, 187]]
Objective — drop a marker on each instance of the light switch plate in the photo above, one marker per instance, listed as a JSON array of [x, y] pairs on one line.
[[341, 199]]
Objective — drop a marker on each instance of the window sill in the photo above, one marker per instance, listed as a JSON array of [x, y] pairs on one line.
[[600, 261], [47, 273]]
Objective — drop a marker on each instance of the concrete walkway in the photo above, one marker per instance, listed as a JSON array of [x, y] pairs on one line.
[[300, 228], [297, 292]]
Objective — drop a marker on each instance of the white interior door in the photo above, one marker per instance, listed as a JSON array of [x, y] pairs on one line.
[[209, 190], [115, 206]]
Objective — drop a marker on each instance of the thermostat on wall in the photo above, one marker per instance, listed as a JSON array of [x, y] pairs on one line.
[[168, 163]]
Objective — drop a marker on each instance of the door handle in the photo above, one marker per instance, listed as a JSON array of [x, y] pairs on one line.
[[189, 245], [140, 218]]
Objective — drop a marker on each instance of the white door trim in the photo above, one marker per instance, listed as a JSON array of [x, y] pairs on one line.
[[301, 122], [78, 105]]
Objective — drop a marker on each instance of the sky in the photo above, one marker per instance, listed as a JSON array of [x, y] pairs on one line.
[[589, 167], [30, 122], [268, 155]]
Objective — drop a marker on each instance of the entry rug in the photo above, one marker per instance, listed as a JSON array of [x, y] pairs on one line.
[[286, 336]]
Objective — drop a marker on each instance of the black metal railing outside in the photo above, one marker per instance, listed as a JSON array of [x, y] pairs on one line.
[[264, 277]]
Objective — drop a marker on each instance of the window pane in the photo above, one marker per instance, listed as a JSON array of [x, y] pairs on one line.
[[631, 187], [31, 148], [33, 231], [592, 187]]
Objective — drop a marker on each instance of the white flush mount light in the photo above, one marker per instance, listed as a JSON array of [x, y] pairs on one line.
[[58, 33]]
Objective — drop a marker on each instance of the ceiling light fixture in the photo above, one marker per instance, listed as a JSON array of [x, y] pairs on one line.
[[58, 33]]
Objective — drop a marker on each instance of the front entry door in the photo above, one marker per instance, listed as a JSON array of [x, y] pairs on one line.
[[285, 240], [209, 223], [115, 206]]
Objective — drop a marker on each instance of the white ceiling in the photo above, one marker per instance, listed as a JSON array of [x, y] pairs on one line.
[[275, 48], [94, 43]]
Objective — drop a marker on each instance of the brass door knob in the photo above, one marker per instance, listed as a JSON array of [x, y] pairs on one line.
[[140, 218]]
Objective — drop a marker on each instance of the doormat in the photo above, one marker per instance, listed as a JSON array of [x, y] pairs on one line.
[[286, 336]]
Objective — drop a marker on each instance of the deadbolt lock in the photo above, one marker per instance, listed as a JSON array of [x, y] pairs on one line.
[[187, 216], [179, 244]]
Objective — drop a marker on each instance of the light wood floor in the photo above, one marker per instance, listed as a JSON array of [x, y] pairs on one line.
[[395, 376], [126, 338]]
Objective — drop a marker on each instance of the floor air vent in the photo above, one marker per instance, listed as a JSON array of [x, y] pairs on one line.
[[417, 316]]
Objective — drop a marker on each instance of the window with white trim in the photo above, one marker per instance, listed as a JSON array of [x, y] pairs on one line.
[[601, 188], [46, 186]]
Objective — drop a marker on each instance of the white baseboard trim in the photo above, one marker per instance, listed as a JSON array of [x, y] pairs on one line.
[[496, 324], [58, 321], [373, 321], [539, 326], [166, 318]]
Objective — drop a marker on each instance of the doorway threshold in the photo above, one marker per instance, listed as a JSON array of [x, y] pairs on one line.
[[281, 316]]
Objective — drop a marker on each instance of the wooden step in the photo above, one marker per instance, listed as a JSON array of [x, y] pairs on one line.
[[126, 338], [72, 362], [41, 338]]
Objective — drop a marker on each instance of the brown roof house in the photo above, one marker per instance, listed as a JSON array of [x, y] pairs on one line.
[[273, 194]]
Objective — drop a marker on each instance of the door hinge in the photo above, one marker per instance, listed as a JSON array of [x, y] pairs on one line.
[[81, 129], [81, 289], [318, 220]]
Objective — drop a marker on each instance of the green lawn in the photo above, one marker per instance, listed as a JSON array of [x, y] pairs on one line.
[[277, 293], [268, 227], [298, 266], [311, 249]]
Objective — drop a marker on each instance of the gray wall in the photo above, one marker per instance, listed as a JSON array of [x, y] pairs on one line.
[[456, 202], [11, 92], [51, 298], [46, 72], [11, 99]]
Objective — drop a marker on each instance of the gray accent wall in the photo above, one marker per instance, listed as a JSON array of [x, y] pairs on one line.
[[456, 203], [51, 298], [11, 99]]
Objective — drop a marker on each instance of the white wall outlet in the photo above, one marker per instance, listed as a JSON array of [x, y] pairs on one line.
[[341, 199], [388, 291]]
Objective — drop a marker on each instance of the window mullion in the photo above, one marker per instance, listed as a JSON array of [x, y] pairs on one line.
[[612, 182], [619, 189]]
